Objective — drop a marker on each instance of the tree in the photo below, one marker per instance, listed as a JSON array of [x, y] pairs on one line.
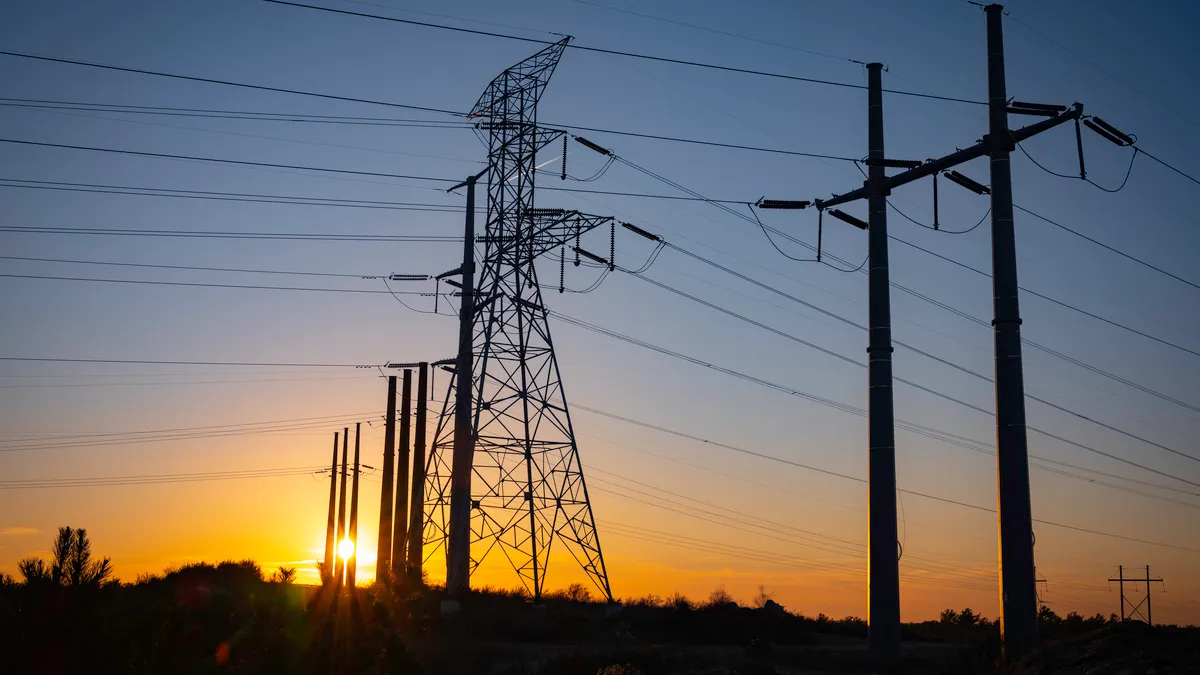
[[761, 599], [719, 597], [1047, 615], [948, 616], [72, 564], [34, 570], [577, 592], [284, 575]]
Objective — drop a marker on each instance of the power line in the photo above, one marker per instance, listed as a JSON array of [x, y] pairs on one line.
[[837, 405], [254, 198], [614, 52], [153, 479], [217, 113], [257, 364], [219, 160], [210, 285], [1079, 56], [190, 267], [167, 383], [66, 442], [1106, 246], [910, 383], [757, 222], [948, 308], [765, 228], [789, 462], [1178, 171], [210, 234], [229, 83], [958, 401], [323, 418], [720, 32], [376, 121]]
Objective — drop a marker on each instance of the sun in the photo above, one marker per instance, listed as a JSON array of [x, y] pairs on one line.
[[346, 549]]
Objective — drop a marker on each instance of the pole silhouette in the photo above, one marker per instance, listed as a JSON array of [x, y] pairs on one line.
[[1018, 589], [400, 522], [883, 568], [416, 528], [1135, 610], [340, 564], [458, 544], [383, 549], [331, 524], [352, 563]]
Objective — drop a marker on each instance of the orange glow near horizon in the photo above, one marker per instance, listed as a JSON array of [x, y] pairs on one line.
[[949, 555]]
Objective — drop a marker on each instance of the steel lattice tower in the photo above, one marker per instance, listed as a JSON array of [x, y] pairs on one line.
[[527, 487]]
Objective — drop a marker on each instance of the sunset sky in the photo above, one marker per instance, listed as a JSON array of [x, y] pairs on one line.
[[239, 444]]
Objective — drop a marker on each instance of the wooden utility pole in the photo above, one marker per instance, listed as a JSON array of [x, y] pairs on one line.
[[331, 523], [352, 563], [383, 549], [416, 528], [340, 565], [400, 516]]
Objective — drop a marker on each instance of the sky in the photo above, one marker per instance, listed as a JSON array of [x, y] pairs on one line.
[[241, 442]]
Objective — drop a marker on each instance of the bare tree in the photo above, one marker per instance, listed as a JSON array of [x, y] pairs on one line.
[[719, 597], [761, 599], [285, 575]]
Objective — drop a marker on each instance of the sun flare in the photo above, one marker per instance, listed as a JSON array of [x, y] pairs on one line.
[[346, 549]]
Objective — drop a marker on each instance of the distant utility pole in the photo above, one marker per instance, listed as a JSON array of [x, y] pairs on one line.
[[352, 563], [1018, 597], [383, 549], [340, 565], [1148, 617], [400, 522], [416, 529], [330, 525], [458, 543], [1045, 584]]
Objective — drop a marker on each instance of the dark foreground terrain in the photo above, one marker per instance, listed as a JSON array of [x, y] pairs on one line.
[[227, 618]]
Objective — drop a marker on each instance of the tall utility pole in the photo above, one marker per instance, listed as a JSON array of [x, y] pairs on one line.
[[340, 565], [383, 549], [352, 563], [1018, 596], [883, 567], [400, 517], [458, 542], [416, 529], [1018, 590], [330, 533]]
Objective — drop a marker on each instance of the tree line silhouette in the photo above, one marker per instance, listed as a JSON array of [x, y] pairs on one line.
[[69, 614]]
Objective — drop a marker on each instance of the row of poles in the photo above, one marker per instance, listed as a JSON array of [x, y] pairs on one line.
[[399, 551]]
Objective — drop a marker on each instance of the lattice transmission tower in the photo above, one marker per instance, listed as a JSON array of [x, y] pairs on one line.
[[527, 487]]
